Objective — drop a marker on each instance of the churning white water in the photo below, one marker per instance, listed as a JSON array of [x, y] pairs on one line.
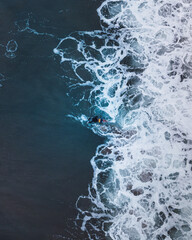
[[137, 73]]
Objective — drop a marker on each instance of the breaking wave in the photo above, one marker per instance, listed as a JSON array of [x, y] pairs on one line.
[[137, 73]]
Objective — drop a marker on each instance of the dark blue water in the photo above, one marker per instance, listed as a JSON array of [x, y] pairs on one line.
[[44, 156]]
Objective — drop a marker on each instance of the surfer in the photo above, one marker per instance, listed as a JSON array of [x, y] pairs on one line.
[[96, 119]]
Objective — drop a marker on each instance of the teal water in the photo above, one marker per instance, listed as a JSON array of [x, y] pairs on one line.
[[44, 156]]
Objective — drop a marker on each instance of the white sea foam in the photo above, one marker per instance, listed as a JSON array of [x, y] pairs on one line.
[[11, 49], [24, 25], [141, 68]]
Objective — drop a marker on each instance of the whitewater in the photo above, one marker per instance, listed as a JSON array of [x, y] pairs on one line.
[[136, 72]]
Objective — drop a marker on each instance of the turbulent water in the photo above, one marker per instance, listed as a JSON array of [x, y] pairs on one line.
[[137, 74]]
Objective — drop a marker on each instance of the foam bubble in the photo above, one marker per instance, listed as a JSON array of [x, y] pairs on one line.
[[11, 48]]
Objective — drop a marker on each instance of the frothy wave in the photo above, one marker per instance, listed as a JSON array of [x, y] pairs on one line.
[[137, 73]]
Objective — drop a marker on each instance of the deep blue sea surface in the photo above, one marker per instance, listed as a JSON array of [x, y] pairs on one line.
[[44, 155]]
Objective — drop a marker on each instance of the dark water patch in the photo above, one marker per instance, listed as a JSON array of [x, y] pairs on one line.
[[44, 156], [137, 191], [174, 233]]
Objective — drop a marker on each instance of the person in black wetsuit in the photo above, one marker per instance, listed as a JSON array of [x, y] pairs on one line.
[[96, 119]]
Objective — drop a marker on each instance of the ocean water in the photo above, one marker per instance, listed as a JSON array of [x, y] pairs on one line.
[[136, 72], [129, 62], [44, 155]]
